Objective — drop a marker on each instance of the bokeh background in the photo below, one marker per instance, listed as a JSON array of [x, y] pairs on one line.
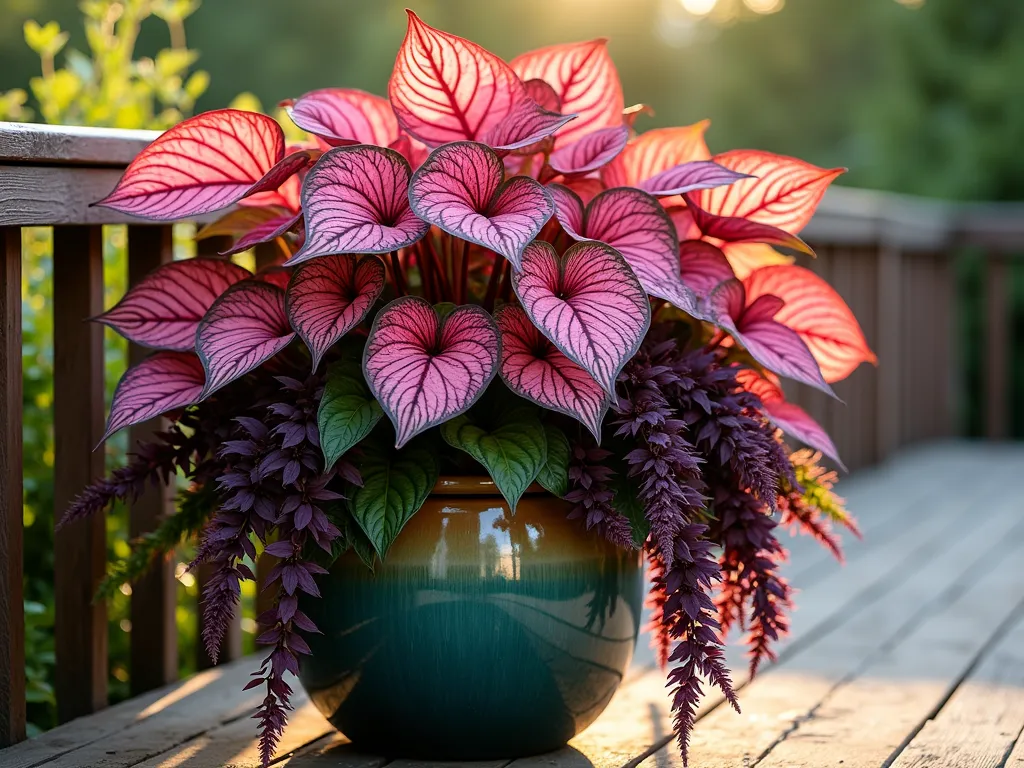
[[922, 97]]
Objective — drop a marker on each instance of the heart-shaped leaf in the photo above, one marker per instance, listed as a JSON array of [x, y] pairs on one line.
[[789, 417], [164, 310], [543, 94], [459, 188], [703, 266], [245, 327], [554, 475], [526, 124], [655, 151], [162, 382], [395, 485], [532, 367], [287, 167], [587, 302], [590, 152], [287, 194], [202, 164], [731, 229], [444, 88], [347, 413], [583, 78], [424, 370], [265, 232], [635, 224], [815, 311], [782, 192], [772, 344], [342, 116], [513, 451], [355, 200], [329, 296], [689, 177]]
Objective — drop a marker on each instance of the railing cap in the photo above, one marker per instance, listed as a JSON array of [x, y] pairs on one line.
[[70, 145]]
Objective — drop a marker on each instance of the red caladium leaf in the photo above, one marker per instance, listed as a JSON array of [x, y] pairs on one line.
[[783, 191], [265, 232], [655, 151], [590, 152], [164, 310], [746, 257], [633, 223], [355, 200], [284, 169], [202, 164], [703, 266], [241, 220], [731, 229], [534, 368], [275, 275], [543, 94], [788, 417], [162, 382], [343, 116], [424, 370], [690, 177], [525, 125], [815, 311], [587, 302], [583, 77], [330, 296], [244, 328], [585, 187], [413, 150], [287, 194], [772, 344], [444, 88], [459, 188]]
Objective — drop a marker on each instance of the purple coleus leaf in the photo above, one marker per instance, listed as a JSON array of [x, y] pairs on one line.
[[635, 224], [587, 302], [703, 266], [162, 382], [244, 328], [526, 124], [425, 370], [733, 229], [342, 116], [355, 201], [532, 367], [773, 345], [164, 310], [690, 177], [265, 232], [460, 189], [329, 296], [593, 151]]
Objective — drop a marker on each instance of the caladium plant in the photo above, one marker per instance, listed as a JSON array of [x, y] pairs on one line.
[[489, 270]]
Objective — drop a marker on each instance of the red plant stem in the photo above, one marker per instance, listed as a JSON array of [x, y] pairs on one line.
[[506, 283], [497, 267], [401, 288], [438, 269], [464, 274], [426, 274]]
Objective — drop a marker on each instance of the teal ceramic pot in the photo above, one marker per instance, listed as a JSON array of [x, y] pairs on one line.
[[484, 635]]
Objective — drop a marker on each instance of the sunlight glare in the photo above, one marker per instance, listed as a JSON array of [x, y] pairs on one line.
[[699, 7], [764, 6]]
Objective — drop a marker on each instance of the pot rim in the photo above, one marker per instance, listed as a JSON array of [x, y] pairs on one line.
[[473, 485]]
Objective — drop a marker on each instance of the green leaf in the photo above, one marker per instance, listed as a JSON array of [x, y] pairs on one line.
[[627, 503], [554, 475], [513, 452], [395, 485], [352, 537], [347, 412]]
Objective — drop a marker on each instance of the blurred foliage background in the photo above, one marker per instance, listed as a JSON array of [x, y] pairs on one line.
[[916, 96]]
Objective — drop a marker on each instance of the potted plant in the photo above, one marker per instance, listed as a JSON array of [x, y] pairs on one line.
[[513, 347]]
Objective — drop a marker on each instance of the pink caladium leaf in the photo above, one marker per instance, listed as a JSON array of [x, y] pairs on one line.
[[584, 79], [284, 169], [526, 124], [773, 345], [818, 313], [244, 328], [413, 150], [690, 177], [445, 88], [355, 201], [655, 151], [200, 165], [534, 368], [164, 310], [265, 232], [543, 94], [329, 296], [633, 223], [587, 302], [703, 266], [459, 188], [425, 370], [275, 275], [162, 382], [789, 417], [590, 152], [731, 229], [342, 116]]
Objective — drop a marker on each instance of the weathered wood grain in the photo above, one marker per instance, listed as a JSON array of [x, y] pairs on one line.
[[65, 144]]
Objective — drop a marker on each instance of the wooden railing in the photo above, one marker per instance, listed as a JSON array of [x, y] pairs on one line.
[[889, 256]]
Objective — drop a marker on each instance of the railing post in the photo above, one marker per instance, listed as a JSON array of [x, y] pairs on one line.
[[154, 636], [890, 329], [12, 618], [997, 347], [80, 551]]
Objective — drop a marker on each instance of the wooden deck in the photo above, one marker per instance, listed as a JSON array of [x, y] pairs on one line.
[[910, 655]]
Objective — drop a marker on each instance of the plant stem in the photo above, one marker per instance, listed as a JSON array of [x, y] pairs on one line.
[[464, 274], [439, 272], [506, 283], [398, 275], [492, 283]]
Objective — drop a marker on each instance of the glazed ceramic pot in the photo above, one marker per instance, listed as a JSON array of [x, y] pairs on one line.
[[483, 635]]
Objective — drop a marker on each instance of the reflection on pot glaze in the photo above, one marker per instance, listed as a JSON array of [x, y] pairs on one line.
[[483, 635]]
